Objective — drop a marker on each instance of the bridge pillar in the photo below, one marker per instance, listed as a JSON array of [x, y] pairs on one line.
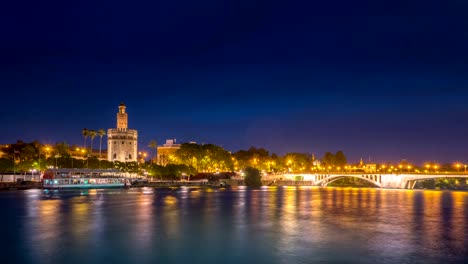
[[411, 184], [407, 184]]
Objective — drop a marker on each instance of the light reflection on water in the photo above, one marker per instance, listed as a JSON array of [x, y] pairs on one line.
[[267, 225]]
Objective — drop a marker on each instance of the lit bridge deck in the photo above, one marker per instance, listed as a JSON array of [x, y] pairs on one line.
[[394, 181]]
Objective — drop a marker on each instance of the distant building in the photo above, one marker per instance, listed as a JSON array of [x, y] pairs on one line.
[[315, 162], [166, 150], [369, 167], [122, 143]]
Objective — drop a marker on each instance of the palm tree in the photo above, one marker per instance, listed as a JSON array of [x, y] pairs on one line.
[[154, 145], [101, 132], [92, 135], [85, 133]]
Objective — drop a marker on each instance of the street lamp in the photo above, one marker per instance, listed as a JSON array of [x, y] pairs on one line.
[[428, 166], [32, 173], [143, 156], [47, 149], [56, 156]]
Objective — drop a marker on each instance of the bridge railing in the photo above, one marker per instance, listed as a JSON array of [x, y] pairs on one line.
[[376, 173]]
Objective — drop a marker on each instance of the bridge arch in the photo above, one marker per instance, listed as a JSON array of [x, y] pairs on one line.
[[332, 178], [411, 181]]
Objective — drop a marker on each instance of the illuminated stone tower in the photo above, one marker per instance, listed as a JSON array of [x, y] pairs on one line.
[[122, 117], [122, 143]]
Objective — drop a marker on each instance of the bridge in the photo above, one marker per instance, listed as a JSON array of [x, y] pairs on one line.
[[390, 181]]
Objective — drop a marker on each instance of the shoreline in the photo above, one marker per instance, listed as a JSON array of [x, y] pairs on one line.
[[27, 185]]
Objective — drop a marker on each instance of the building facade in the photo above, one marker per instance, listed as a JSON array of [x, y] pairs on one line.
[[165, 151], [122, 143]]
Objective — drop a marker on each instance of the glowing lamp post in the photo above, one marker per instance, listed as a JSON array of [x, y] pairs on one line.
[[56, 156], [142, 156], [427, 167], [32, 173]]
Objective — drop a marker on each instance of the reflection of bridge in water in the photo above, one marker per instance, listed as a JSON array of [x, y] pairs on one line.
[[398, 181]]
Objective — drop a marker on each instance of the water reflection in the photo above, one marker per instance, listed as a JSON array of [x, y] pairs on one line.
[[267, 225]]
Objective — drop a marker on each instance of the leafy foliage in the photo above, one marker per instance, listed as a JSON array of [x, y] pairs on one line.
[[170, 171], [203, 158], [339, 159], [252, 177]]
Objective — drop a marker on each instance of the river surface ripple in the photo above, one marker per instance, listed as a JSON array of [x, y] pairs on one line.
[[236, 225]]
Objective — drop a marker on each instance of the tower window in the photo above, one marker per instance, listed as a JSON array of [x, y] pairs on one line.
[[129, 156], [122, 142], [115, 155]]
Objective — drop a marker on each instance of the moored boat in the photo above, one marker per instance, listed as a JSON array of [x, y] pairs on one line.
[[84, 178]]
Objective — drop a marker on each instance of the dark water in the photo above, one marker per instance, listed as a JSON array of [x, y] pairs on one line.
[[270, 225]]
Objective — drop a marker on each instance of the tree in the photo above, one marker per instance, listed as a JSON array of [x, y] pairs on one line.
[[28, 152], [190, 154], [92, 135], [297, 162], [257, 158], [153, 145], [340, 159], [252, 177], [204, 158], [6, 165], [62, 149], [101, 132], [216, 158], [328, 159], [85, 133]]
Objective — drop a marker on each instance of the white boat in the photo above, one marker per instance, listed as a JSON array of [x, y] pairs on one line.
[[84, 178]]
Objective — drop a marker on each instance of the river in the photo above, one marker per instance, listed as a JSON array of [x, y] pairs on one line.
[[236, 225]]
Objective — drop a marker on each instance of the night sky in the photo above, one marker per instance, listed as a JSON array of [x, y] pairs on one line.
[[381, 79]]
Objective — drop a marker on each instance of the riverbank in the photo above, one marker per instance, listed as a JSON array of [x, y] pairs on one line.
[[24, 185]]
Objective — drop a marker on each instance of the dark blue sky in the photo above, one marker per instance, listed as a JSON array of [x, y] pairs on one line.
[[385, 79]]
